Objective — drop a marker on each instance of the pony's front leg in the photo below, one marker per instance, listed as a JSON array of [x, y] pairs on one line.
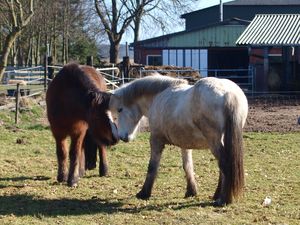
[[103, 165], [187, 161], [62, 156], [76, 152], [156, 151], [82, 163]]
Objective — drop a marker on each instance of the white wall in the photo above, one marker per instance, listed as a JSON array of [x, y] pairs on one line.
[[195, 58]]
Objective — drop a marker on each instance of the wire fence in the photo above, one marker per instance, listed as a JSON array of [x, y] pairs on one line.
[[33, 81]]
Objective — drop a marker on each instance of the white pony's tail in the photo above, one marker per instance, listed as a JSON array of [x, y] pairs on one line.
[[233, 148]]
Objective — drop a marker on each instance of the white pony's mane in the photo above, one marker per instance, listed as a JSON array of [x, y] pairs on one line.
[[149, 85]]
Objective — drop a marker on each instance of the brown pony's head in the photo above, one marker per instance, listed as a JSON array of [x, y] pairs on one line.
[[100, 122]]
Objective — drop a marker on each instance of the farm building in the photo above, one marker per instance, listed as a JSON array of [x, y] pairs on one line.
[[208, 42], [274, 51]]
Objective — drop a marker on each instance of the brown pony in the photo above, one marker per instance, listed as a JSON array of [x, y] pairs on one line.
[[77, 107]]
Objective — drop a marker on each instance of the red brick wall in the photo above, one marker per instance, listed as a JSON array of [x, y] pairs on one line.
[[140, 55]]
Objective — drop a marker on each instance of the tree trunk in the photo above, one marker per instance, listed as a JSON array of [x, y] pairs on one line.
[[37, 49], [29, 54], [20, 58], [137, 26], [9, 41], [63, 50], [114, 52], [54, 47], [12, 54]]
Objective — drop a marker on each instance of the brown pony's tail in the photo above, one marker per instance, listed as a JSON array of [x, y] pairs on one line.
[[90, 151], [233, 149]]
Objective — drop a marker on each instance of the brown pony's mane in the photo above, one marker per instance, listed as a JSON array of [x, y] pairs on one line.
[[149, 85]]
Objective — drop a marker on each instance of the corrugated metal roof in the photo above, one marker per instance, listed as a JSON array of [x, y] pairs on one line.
[[272, 30]]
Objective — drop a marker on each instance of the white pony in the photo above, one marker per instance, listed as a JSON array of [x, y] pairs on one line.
[[210, 113]]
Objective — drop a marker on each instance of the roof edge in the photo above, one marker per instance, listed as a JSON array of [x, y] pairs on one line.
[[241, 21]]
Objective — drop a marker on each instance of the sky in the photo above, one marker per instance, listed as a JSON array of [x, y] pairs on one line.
[[207, 3], [200, 4]]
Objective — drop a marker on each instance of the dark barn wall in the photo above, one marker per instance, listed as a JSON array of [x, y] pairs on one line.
[[228, 58], [283, 69], [201, 18]]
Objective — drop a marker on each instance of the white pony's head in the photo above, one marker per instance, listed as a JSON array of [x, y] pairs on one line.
[[132, 100], [126, 117]]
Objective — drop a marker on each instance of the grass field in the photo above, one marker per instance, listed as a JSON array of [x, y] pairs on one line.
[[29, 193]]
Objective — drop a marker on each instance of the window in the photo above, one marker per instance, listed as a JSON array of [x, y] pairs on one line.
[[154, 60]]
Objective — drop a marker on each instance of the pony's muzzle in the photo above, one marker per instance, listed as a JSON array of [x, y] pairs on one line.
[[124, 138], [115, 135]]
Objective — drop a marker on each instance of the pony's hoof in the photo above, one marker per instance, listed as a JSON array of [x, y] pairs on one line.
[[103, 172], [190, 193], [219, 203], [81, 173], [72, 183], [142, 196], [215, 197], [61, 178]]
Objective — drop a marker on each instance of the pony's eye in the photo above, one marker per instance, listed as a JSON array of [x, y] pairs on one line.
[[120, 110]]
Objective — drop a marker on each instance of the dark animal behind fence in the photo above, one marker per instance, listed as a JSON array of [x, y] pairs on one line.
[[77, 108]]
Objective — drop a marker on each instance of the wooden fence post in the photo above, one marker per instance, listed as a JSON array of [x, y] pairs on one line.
[[50, 69], [90, 60], [17, 94], [126, 67]]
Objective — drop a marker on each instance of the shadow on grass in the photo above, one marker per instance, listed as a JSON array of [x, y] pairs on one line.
[[13, 181], [23, 178], [29, 205], [38, 127]]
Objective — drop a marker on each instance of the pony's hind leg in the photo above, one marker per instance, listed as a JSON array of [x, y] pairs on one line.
[[222, 195], [62, 158], [187, 161], [217, 194], [156, 151], [217, 149], [103, 165]]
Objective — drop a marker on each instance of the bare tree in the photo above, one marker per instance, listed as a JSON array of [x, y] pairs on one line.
[[115, 18], [157, 15], [19, 16], [139, 8]]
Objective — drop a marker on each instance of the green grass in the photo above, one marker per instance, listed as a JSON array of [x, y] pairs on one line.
[[29, 193]]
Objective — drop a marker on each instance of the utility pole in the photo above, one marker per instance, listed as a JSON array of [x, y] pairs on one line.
[[221, 11]]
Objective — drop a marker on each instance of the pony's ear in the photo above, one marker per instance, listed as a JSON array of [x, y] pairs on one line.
[[93, 98], [97, 98], [114, 100]]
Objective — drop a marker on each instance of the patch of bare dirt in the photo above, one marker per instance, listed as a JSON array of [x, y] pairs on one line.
[[272, 116], [266, 116]]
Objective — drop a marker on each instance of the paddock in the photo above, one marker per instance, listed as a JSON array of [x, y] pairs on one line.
[[30, 194]]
